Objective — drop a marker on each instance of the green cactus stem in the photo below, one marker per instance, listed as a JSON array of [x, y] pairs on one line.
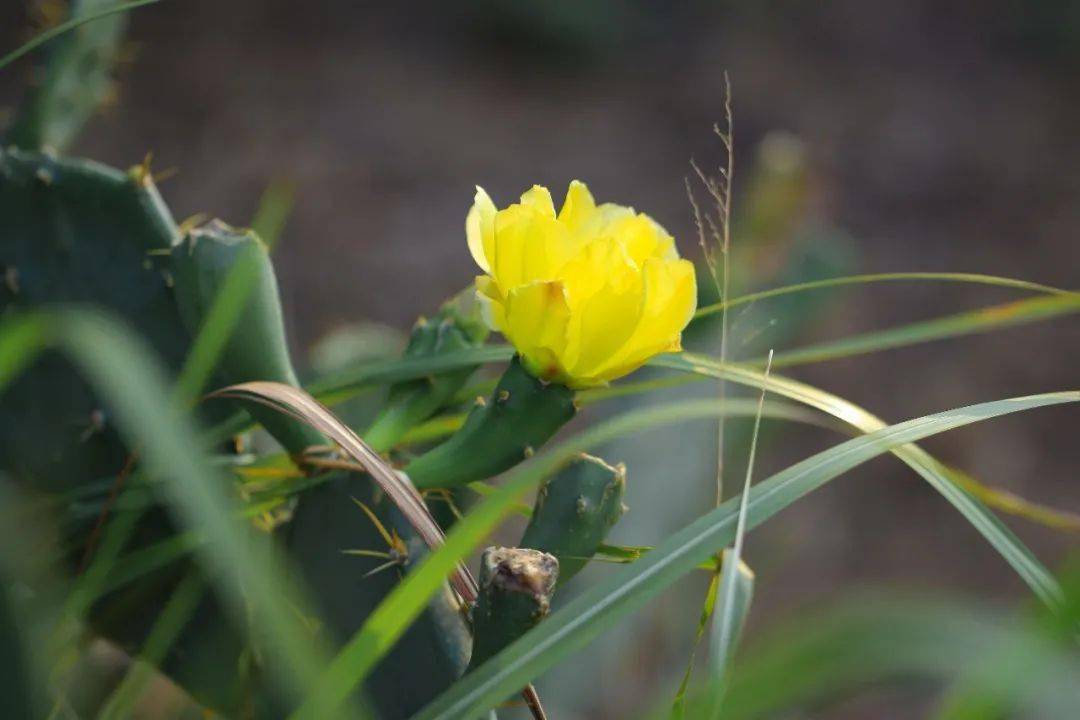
[[574, 512], [76, 231], [434, 651], [257, 349], [500, 431], [77, 81], [454, 328], [515, 595]]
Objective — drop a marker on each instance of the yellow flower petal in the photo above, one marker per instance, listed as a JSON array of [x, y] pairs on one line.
[[597, 224], [605, 293], [530, 246], [480, 229], [643, 238], [538, 198], [669, 304], [578, 207], [536, 323], [491, 303], [586, 296]]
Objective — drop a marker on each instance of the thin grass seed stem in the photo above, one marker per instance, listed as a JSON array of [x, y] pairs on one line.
[[725, 217]]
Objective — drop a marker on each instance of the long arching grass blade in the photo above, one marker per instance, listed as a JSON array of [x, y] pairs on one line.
[[934, 472], [343, 385], [331, 388], [951, 326], [680, 553], [346, 384], [967, 278], [587, 616]]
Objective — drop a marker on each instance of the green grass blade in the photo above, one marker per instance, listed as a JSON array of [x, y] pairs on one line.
[[130, 567], [68, 26], [874, 638], [22, 339], [678, 705], [1014, 551], [228, 305], [185, 599], [1034, 574], [736, 579], [386, 624], [966, 323], [586, 617], [217, 329], [345, 384], [969, 278], [273, 212], [138, 563], [124, 372], [728, 623], [342, 385]]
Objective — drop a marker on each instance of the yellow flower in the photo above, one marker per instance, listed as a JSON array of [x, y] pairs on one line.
[[586, 296]]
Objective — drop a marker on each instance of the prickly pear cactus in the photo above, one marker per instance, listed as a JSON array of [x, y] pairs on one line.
[[455, 327], [500, 431], [76, 231], [574, 512], [256, 350], [434, 651], [515, 595]]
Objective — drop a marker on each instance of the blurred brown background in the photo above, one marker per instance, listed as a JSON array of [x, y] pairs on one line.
[[938, 136]]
